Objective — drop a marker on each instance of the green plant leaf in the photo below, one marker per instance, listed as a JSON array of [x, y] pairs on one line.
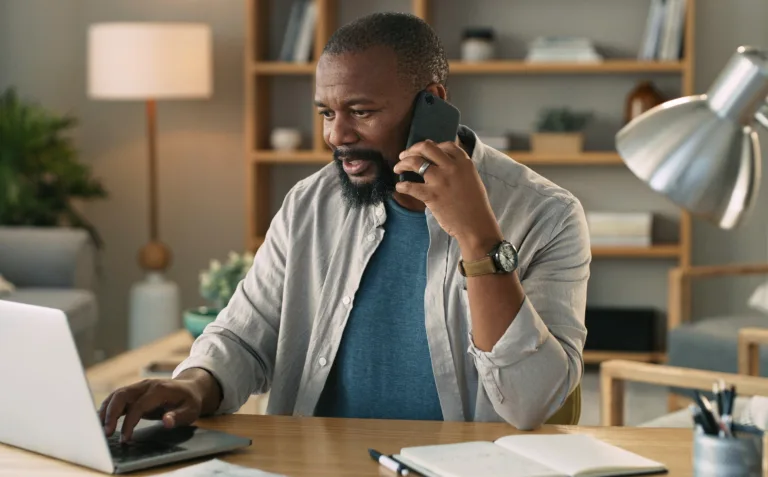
[[40, 172]]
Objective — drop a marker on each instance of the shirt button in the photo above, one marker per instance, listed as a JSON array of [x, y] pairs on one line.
[[322, 361], [346, 300], [371, 237], [379, 212]]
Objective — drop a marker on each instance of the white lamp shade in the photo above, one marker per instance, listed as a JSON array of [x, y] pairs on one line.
[[149, 61]]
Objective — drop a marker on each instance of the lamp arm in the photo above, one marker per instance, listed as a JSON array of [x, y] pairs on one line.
[[762, 115]]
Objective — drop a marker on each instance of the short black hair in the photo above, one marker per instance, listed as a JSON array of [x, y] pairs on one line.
[[420, 55]]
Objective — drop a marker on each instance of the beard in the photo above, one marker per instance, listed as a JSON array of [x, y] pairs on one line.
[[369, 193]]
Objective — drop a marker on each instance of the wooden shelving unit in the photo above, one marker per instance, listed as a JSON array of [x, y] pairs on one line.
[[604, 67], [596, 357], [260, 72]]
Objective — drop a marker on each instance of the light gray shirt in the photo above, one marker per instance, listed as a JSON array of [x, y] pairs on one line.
[[282, 328]]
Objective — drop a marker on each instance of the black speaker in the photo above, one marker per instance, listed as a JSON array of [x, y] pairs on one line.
[[624, 329]]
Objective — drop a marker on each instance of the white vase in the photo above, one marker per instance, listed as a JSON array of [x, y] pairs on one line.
[[154, 310]]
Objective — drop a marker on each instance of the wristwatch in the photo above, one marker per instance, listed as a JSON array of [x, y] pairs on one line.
[[502, 259]]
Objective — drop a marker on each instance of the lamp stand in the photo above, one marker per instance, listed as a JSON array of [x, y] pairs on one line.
[[154, 302], [154, 255]]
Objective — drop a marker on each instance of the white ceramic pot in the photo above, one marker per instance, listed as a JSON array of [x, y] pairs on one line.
[[285, 139]]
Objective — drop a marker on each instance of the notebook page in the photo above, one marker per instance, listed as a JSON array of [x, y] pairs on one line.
[[577, 454], [471, 459]]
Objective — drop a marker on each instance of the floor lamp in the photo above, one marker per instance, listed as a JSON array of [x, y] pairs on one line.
[[150, 62]]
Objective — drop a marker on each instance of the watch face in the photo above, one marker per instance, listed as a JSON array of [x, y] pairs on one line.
[[507, 257]]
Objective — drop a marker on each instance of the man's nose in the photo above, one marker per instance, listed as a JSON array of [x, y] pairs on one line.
[[341, 132]]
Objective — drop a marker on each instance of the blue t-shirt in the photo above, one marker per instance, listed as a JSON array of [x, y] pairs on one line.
[[383, 369]]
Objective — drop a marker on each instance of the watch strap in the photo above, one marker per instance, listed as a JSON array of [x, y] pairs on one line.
[[476, 268]]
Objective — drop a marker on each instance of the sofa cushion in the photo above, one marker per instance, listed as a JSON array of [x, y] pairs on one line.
[[712, 344], [78, 305]]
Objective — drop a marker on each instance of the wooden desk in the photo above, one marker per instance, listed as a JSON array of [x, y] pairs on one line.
[[125, 369], [319, 447]]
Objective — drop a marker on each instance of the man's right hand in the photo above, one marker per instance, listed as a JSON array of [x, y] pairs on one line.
[[177, 402]]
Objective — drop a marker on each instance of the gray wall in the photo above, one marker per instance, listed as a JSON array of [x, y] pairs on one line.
[[42, 52]]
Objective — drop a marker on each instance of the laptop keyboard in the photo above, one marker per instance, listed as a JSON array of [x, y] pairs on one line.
[[136, 450]]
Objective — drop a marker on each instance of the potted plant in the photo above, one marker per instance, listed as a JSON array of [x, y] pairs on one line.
[[217, 285], [40, 174], [560, 131]]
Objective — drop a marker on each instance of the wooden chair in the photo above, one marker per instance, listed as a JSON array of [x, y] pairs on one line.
[[570, 412], [615, 374], [709, 343]]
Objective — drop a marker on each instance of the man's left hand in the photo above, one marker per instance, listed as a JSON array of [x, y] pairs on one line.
[[454, 193]]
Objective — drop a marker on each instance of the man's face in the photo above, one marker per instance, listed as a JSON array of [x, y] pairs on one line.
[[366, 111]]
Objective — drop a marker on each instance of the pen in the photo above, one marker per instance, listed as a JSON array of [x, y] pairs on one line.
[[704, 405], [389, 463], [717, 392]]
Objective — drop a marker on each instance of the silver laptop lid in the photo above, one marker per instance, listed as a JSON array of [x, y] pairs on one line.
[[45, 404]]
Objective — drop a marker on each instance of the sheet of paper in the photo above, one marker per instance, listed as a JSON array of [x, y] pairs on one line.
[[573, 454], [470, 459], [216, 467]]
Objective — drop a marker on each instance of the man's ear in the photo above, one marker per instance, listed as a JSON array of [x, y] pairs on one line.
[[438, 90]]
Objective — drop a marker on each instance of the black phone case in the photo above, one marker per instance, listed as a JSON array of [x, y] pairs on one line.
[[433, 118]]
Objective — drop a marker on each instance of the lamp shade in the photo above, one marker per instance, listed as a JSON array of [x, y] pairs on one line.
[[139, 61], [701, 151]]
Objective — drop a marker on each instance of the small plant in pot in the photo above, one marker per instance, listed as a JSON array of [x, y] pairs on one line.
[[217, 284], [560, 131]]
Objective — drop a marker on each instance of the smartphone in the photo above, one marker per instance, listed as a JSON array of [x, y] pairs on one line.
[[433, 118]]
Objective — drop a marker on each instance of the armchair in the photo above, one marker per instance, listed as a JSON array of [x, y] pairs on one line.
[[709, 343], [53, 267], [615, 374]]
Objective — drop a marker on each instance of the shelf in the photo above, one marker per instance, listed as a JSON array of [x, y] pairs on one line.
[[283, 68], [604, 67], [596, 357], [617, 252], [654, 251], [502, 67], [587, 158]]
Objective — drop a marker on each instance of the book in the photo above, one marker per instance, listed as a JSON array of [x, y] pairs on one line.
[[292, 30], [652, 34], [620, 223], [562, 48], [529, 455], [672, 36], [620, 240], [302, 52]]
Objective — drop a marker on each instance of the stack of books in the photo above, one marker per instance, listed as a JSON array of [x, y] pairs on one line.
[[299, 35], [548, 49], [664, 31], [620, 229]]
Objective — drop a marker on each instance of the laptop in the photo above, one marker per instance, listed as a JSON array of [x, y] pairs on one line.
[[46, 405]]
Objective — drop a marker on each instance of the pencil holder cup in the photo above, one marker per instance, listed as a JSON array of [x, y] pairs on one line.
[[741, 455]]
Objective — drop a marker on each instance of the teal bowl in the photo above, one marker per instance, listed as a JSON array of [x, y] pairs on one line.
[[196, 319]]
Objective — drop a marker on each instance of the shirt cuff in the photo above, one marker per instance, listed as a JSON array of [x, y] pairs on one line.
[[207, 362], [524, 336]]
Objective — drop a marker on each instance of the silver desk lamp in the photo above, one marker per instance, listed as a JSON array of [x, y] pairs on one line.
[[702, 151]]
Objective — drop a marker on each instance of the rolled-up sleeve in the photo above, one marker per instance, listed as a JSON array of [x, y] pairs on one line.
[[538, 361], [240, 346]]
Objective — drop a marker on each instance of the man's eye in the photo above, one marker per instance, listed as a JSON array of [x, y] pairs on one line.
[[360, 113], [326, 113]]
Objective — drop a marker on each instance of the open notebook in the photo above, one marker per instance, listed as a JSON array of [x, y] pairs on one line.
[[529, 456]]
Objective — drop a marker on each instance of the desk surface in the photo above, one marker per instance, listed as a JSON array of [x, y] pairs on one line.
[[318, 447]]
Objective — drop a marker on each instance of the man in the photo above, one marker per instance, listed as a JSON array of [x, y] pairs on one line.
[[357, 304]]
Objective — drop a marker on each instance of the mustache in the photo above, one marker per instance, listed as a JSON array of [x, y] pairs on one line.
[[362, 154]]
